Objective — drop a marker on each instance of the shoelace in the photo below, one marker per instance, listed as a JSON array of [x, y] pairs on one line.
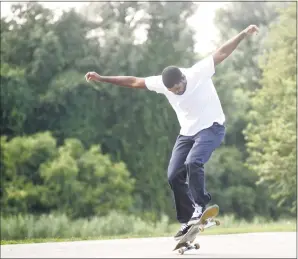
[[198, 210], [184, 226]]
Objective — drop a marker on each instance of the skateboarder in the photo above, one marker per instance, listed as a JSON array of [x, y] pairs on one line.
[[191, 93]]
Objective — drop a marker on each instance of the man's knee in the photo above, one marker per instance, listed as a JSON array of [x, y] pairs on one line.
[[194, 165]]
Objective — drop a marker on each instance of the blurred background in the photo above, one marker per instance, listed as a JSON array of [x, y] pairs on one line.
[[85, 161]]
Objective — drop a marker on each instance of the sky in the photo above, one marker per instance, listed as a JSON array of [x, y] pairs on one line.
[[201, 21]]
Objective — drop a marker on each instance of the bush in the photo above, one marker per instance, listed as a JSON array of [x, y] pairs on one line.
[[61, 226], [39, 177]]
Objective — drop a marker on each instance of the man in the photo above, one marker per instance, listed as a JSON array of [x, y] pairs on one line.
[[192, 95]]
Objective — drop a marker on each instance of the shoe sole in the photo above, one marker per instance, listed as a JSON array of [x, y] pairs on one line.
[[193, 222], [177, 238]]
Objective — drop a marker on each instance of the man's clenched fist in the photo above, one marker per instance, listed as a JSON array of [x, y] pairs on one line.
[[251, 29], [92, 76]]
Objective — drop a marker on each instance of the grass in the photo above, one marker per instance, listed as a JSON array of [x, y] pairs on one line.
[[50, 228]]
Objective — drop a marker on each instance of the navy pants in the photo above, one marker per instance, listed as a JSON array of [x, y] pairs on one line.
[[186, 174]]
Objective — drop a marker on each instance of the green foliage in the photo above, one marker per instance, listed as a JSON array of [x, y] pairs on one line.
[[236, 80], [239, 75], [60, 226], [271, 133], [40, 177], [16, 99], [234, 187]]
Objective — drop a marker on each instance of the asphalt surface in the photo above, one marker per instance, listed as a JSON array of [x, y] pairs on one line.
[[252, 245]]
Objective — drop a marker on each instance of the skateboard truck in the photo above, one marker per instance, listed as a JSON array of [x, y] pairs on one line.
[[208, 224], [188, 246]]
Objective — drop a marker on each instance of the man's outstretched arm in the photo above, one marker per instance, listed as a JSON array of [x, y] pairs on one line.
[[226, 49], [126, 81]]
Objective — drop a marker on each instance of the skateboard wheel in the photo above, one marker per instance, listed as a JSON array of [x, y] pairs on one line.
[[217, 222], [201, 228], [197, 246], [181, 251]]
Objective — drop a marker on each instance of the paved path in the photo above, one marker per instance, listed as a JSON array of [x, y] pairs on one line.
[[252, 245]]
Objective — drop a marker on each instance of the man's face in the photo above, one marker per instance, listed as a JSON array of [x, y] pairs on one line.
[[180, 87]]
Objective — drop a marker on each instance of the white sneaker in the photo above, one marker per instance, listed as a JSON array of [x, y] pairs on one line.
[[197, 214]]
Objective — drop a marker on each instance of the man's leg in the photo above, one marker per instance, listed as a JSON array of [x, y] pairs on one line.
[[177, 178], [206, 141]]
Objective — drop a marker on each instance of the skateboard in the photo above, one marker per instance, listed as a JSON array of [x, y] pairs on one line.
[[206, 221]]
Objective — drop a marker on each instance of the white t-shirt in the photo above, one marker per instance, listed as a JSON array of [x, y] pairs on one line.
[[199, 106]]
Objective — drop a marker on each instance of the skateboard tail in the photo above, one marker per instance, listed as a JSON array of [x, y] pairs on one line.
[[194, 231], [211, 212]]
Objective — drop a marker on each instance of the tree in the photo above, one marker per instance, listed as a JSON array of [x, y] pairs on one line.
[[39, 177], [271, 132], [240, 73], [16, 100], [234, 185]]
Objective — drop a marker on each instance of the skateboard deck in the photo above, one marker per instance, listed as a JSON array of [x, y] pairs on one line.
[[206, 221]]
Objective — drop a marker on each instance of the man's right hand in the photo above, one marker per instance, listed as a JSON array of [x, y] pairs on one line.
[[92, 76]]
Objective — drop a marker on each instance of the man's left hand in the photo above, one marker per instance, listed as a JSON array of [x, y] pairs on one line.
[[251, 29]]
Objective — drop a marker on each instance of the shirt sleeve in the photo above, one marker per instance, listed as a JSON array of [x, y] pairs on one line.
[[154, 83], [204, 68]]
